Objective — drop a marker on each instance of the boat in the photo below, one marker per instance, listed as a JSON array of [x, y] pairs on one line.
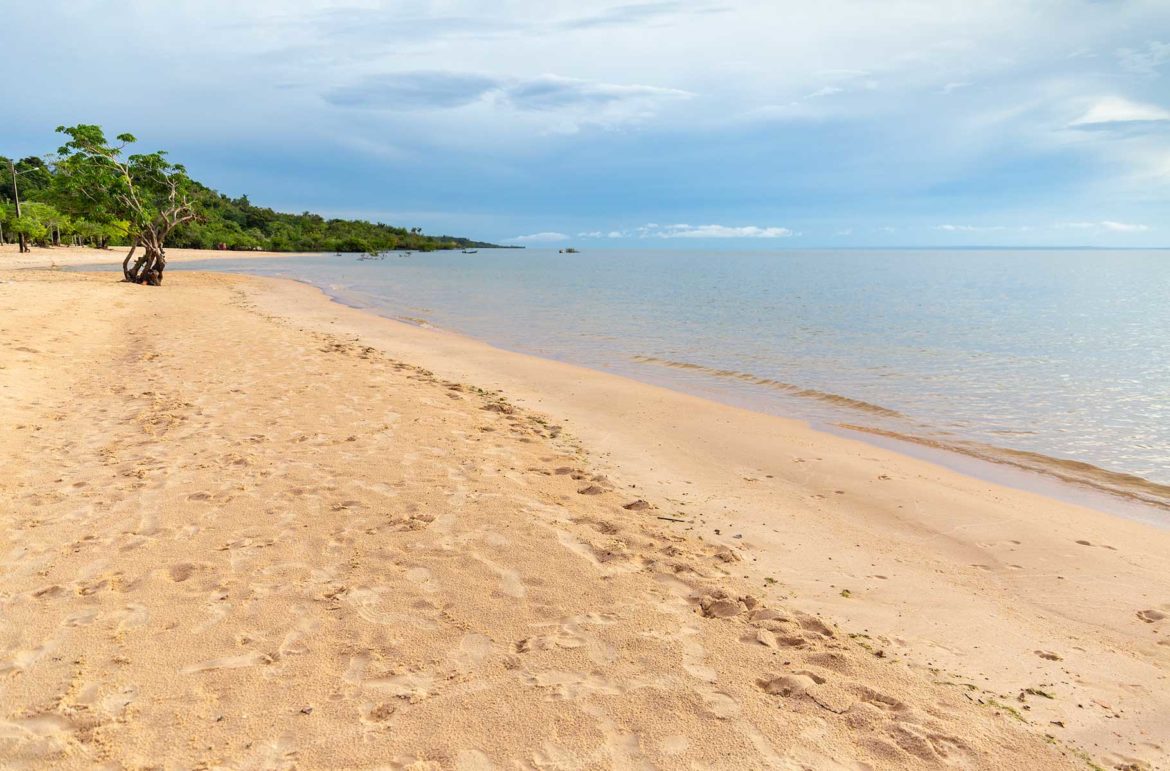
[[471, 251]]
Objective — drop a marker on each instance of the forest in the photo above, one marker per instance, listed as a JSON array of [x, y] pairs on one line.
[[92, 192]]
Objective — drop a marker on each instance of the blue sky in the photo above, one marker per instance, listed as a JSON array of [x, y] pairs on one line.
[[761, 123]]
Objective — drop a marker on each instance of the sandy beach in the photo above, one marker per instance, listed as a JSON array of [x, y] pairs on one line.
[[242, 526]]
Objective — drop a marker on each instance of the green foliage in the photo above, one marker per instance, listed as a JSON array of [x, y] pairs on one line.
[[103, 195], [239, 224], [95, 179], [34, 177], [36, 222]]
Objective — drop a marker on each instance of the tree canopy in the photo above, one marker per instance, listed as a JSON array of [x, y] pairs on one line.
[[93, 191]]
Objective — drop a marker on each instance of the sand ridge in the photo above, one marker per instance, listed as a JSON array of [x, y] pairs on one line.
[[230, 540]]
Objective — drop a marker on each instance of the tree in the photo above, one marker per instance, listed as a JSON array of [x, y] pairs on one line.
[[151, 194], [40, 223]]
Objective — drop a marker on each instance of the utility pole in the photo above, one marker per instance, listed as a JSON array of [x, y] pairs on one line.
[[16, 195]]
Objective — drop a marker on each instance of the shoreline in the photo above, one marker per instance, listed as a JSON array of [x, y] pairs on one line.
[[966, 580], [993, 551], [1070, 481], [234, 539]]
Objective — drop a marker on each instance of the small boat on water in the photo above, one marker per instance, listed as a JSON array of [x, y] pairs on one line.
[[471, 251], [569, 250]]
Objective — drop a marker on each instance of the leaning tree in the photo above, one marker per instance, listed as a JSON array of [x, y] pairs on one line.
[[151, 194]]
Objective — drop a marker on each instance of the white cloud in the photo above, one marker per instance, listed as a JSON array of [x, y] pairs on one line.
[[969, 228], [826, 91], [1104, 226], [1124, 227], [1145, 61], [570, 102], [536, 238], [356, 102], [550, 92], [1115, 111], [712, 231]]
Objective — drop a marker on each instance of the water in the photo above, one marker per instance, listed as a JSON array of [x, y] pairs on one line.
[[1046, 359]]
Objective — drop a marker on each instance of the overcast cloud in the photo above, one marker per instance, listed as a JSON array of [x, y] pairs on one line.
[[843, 122]]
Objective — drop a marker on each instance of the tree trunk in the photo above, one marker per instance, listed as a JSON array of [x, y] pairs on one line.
[[22, 238], [126, 262], [148, 269]]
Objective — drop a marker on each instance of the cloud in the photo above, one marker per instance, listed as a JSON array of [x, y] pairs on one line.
[[1145, 61], [826, 91], [417, 90], [1104, 226], [541, 238], [638, 13], [711, 231], [590, 102], [1123, 227], [553, 93], [1117, 112], [969, 228], [464, 107], [601, 234]]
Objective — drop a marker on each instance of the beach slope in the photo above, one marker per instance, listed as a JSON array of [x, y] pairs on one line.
[[231, 539]]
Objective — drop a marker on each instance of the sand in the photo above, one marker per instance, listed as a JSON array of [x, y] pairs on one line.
[[244, 527], [12, 259]]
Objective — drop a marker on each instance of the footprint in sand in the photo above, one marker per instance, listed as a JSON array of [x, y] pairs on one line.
[[22, 660], [471, 652], [227, 662], [423, 578], [722, 706], [510, 582], [473, 760], [1151, 616], [182, 571], [579, 685], [133, 616], [790, 685]]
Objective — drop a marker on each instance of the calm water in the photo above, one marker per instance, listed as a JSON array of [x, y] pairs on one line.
[[1065, 354]]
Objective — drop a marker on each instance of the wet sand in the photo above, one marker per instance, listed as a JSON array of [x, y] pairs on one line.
[[244, 526]]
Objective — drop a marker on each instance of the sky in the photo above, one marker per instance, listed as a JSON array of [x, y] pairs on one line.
[[668, 123]]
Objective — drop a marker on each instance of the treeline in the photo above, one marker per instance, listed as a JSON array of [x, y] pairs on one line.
[[51, 214], [242, 225]]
